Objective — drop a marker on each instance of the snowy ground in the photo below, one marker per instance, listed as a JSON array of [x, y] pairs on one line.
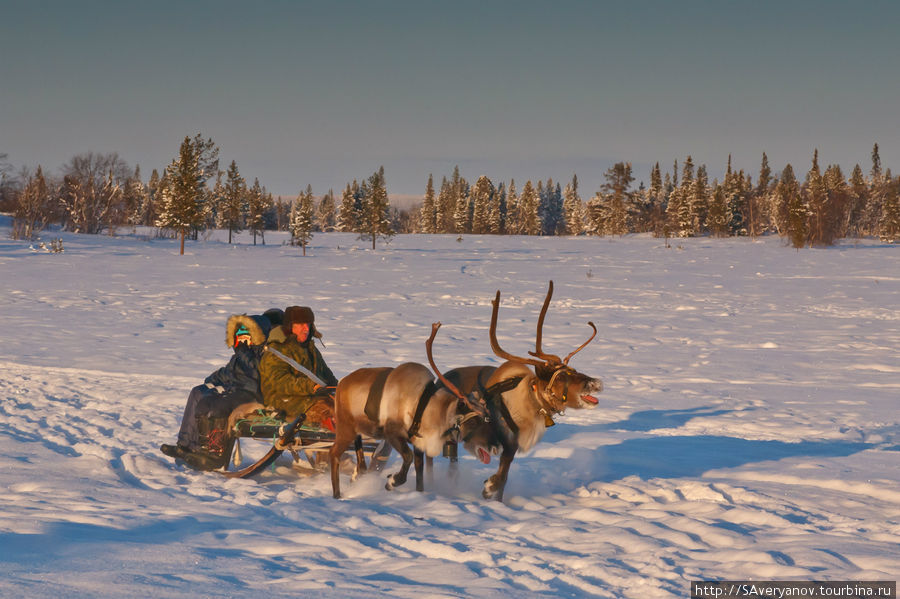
[[749, 427]]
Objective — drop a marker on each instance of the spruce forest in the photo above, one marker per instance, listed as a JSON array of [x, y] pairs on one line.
[[100, 193]]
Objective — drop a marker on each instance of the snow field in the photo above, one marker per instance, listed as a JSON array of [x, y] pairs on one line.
[[748, 427]]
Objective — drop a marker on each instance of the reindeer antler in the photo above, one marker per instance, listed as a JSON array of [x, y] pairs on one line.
[[583, 345], [538, 352], [434, 329], [496, 346]]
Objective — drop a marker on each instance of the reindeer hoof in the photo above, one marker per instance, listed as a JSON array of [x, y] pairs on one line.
[[492, 490]]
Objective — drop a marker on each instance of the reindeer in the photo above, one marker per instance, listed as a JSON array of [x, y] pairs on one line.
[[523, 413], [402, 390]]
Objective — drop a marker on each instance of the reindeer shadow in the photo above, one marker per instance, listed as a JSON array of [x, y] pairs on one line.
[[648, 457], [650, 420]]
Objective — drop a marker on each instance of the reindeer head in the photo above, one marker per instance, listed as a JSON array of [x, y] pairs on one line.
[[558, 383]]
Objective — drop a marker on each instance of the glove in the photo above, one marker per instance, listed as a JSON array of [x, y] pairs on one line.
[[321, 391]]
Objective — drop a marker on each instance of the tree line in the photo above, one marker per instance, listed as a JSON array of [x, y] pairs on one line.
[[100, 192], [824, 207]]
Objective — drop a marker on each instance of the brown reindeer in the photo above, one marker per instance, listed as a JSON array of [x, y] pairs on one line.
[[401, 390], [524, 412]]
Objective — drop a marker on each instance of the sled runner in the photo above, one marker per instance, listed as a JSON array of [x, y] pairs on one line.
[[253, 427]]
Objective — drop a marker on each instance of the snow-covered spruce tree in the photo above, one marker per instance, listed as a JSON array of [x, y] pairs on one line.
[[573, 209], [528, 209], [428, 212], [513, 211], [889, 225], [257, 205], [497, 213], [858, 197], [301, 225], [325, 213], [878, 186], [700, 200], [151, 200], [482, 195], [550, 208], [184, 194], [717, 219], [792, 208], [234, 202], [345, 218], [759, 199], [617, 198], [377, 210], [134, 197], [442, 204]]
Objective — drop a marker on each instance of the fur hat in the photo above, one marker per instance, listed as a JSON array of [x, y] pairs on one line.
[[300, 314]]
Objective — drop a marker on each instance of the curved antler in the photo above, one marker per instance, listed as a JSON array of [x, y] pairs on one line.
[[583, 345], [538, 352], [496, 346], [434, 329]]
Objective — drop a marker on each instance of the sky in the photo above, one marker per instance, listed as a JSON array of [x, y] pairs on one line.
[[321, 93]]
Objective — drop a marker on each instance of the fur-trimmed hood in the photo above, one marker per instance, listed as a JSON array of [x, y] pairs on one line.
[[258, 325]]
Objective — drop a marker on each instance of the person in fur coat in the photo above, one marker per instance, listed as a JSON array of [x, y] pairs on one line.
[[201, 438], [284, 389]]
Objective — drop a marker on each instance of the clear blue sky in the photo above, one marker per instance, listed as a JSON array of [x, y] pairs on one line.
[[324, 92]]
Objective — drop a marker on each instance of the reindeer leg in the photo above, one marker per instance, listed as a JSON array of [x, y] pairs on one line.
[[397, 479], [419, 458], [494, 486], [360, 457], [429, 470], [341, 443]]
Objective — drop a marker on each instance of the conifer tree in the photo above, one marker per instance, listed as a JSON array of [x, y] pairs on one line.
[[573, 208], [302, 219], [233, 207], [482, 195], [428, 213], [497, 216], [528, 207], [792, 209], [148, 208], [134, 198], [838, 194], [256, 211], [858, 199], [759, 198], [377, 211], [513, 211], [617, 199], [889, 225], [444, 203], [325, 213], [718, 218], [816, 202], [550, 208], [184, 196], [345, 218], [700, 200]]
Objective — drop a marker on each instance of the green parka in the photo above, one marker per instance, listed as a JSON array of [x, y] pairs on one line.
[[283, 388]]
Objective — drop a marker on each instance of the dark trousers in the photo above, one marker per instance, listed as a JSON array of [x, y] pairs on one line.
[[204, 407]]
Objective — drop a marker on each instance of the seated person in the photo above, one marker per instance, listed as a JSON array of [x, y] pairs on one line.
[[202, 437], [285, 389]]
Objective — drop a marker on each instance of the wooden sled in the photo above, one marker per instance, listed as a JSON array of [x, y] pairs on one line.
[[270, 436]]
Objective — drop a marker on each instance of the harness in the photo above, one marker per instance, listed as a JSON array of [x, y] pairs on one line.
[[548, 402]]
